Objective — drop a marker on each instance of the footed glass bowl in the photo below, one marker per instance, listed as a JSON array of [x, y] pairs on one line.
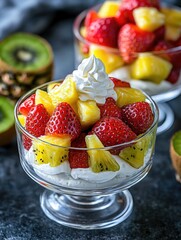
[[81, 198], [161, 92]]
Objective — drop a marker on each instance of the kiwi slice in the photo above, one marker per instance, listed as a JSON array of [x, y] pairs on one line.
[[26, 61], [6, 121], [175, 153], [134, 154], [100, 160]]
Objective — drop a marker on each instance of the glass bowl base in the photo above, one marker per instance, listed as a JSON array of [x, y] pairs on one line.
[[87, 212], [166, 118]]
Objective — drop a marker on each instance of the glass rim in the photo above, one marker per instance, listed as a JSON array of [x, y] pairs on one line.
[[154, 108], [76, 30]]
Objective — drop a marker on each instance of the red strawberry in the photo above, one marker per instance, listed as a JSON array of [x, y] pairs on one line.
[[103, 31], [174, 75], [138, 116], [36, 121], [132, 39], [159, 34], [127, 7], [119, 83], [64, 122], [112, 131], [163, 46], [78, 158], [90, 17], [25, 106], [110, 109]]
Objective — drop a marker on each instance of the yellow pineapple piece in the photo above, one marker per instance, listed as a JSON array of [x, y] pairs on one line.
[[111, 60], [100, 160], [148, 18], [42, 97], [51, 150], [88, 113], [128, 95], [108, 9], [52, 85], [22, 119], [172, 16], [66, 92], [172, 32], [151, 68]]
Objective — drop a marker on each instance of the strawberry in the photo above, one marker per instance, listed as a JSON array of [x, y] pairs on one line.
[[174, 75], [25, 106], [112, 131], [159, 34], [36, 121], [103, 31], [132, 39], [90, 17], [138, 116], [78, 158], [119, 83], [110, 109], [127, 7], [63, 121], [163, 46]]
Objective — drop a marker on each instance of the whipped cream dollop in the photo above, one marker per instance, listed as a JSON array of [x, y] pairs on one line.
[[92, 82]]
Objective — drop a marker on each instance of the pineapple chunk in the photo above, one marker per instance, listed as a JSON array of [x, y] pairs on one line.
[[88, 112], [46, 151], [100, 160], [22, 119], [172, 16], [42, 97], [128, 95], [108, 9], [52, 85], [148, 18], [172, 32], [111, 61], [66, 92], [151, 68]]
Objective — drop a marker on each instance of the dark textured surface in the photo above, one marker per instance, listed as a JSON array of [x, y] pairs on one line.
[[157, 198]]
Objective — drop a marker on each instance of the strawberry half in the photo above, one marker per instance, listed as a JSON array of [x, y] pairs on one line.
[[138, 116], [132, 40], [119, 83], [173, 77], [79, 158], [103, 31], [63, 121], [110, 109], [112, 131], [25, 106], [36, 121]]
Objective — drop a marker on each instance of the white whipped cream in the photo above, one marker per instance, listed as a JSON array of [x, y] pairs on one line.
[[83, 178], [92, 82], [46, 168]]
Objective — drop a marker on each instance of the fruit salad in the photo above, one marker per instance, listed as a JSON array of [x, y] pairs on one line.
[[88, 130], [139, 41]]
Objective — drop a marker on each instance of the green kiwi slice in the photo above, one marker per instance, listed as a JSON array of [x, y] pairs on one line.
[[25, 52], [6, 120], [26, 61], [176, 141]]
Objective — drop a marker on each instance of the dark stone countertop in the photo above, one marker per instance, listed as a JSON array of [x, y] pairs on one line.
[[157, 198]]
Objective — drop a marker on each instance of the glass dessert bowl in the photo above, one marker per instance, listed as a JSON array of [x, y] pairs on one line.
[[154, 66], [69, 150]]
